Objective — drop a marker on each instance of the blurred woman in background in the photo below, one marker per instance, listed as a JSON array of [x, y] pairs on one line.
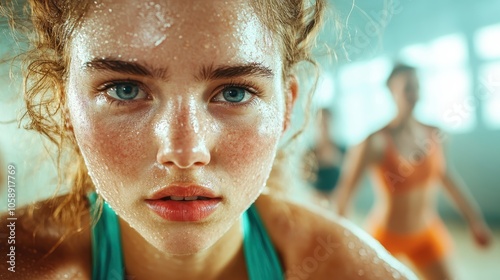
[[408, 163], [326, 156]]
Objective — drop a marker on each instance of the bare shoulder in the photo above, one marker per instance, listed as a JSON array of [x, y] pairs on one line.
[[436, 131], [431, 128], [313, 245], [374, 145], [435, 134], [40, 248]]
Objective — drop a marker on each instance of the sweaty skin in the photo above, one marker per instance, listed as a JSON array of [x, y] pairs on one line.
[[196, 97], [179, 128]]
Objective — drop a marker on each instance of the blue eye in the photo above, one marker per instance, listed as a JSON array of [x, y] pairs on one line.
[[125, 91], [234, 94]]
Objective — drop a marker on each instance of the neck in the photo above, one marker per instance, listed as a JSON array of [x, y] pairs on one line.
[[222, 259], [400, 122], [323, 139]]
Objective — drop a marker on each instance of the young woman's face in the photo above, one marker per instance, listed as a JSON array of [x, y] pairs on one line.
[[405, 90], [177, 108]]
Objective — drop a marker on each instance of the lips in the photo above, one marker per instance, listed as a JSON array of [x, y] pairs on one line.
[[183, 191], [184, 203], [185, 198]]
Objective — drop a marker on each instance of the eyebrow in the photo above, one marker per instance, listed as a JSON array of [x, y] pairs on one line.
[[232, 71], [206, 73], [126, 67]]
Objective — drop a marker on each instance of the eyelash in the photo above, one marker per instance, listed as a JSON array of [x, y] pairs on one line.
[[102, 90], [248, 86]]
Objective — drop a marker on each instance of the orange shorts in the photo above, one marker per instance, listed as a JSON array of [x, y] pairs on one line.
[[422, 248]]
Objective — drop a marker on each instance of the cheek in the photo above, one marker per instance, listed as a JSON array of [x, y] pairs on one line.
[[400, 101], [248, 151], [247, 163], [109, 149], [114, 146], [245, 147]]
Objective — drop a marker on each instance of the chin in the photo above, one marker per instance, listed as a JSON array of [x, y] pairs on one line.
[[182, 250], [181, 241], [184, 246]]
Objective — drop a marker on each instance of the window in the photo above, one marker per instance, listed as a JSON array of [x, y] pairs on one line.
[[446, 98], [363, 103], [490, 94], [487, 42]]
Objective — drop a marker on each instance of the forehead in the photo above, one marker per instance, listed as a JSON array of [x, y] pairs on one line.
[[403, 77], [134, 29]]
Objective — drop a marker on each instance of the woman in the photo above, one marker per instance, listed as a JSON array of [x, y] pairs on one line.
[[407, 159], [327, 156], [174, 111]]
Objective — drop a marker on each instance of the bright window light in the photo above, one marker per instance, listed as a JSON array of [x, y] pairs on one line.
[[490, 94], [325, 91], [444, 51], [363, 103], [446, 98], [448, 50], [487, 42], [416, 55]]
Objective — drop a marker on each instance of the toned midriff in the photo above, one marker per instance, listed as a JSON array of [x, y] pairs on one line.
[[406, 189]]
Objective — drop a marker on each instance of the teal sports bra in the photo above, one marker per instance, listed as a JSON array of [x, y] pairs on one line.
[[107, 255]]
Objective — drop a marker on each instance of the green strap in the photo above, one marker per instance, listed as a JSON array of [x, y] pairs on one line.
[[260, 254], [107, 256]]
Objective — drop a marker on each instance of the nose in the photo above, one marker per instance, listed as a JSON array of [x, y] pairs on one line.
[[183, 138]]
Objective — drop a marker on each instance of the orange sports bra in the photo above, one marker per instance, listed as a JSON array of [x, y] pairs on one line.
[[398, 174]]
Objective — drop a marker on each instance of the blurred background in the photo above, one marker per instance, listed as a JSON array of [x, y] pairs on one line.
[[456, 47], [455, 44]]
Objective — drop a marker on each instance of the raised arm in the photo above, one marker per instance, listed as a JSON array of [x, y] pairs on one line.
[[460, 195], [357, 160]]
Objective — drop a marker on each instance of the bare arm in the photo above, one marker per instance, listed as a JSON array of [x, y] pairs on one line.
[[458, 192], [357, 160]]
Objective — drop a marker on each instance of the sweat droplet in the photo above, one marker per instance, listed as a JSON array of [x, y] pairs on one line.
[[350, 245], [361, 272], [159, 41]]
